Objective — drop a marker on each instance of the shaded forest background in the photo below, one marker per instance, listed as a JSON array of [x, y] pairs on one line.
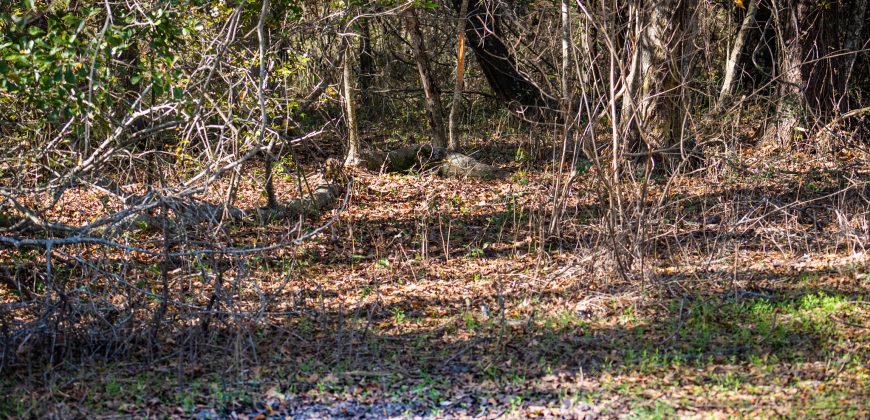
[[343, 191]]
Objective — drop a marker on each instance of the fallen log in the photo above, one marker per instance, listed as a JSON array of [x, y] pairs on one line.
[[424, 157], [457, 165], [324, 197], [143, 211]]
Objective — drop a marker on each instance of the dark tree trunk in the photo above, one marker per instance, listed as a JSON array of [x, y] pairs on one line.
[[366, 61], [483, 33], [814, 69], [433, 102]]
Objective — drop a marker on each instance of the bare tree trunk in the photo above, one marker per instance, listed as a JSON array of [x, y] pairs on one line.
[[653, 87], [568, 126], [790, 101], [453, 140], [734, 56], [813, 76], [353, 144], [271, 200], [566, 57], [430, 91], [366, 61], [852, 44], [483, 34]]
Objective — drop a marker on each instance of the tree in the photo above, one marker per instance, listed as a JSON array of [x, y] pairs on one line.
[[366, 59], [484, 36], [456, 104], [353, 144], [731, 65], [815, 61], [658, 70], [430, 90]]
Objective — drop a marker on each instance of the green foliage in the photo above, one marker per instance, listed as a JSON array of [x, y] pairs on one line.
[[426, 4], [66, 61]]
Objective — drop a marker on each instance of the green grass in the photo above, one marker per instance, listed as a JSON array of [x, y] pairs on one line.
[[658, 410]]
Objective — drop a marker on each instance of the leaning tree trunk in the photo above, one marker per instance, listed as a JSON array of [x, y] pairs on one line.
[[732, 65], [430, 91], [483, 34], [652, 106]]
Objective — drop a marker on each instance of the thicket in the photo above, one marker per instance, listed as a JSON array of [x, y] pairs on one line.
[[166, 110]]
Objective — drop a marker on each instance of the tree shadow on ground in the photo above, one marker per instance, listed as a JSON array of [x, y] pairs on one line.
[[481, 346], [472, 356]]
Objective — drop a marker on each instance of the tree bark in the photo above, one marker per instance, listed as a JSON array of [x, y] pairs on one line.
[[813, 71], [852, 44], [453, 134], [353, 144], [567, 98], [654, 86], [366, 61], [271, 200], [734, 57], [483, 35], [430, 91]]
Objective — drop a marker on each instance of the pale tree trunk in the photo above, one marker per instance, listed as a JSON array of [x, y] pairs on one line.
[[353, 143], [271, 200], [452, 123], [433, 103], [567, 117], [652, 105], [734, 57], [790, 103]]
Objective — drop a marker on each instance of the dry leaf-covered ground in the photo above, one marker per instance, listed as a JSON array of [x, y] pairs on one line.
[[446, 298]]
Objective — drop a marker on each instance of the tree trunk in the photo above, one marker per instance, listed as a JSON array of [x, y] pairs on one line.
[[353, 144], [734, 57], [366, 61], [483, 35], [566, 56], [430, 91], [813, 72], [271, 200], [790, 101], [453, 135], [852, 44], [654, 86]]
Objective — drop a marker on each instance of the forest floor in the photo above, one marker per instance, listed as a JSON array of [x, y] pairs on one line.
[[441, 297]]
